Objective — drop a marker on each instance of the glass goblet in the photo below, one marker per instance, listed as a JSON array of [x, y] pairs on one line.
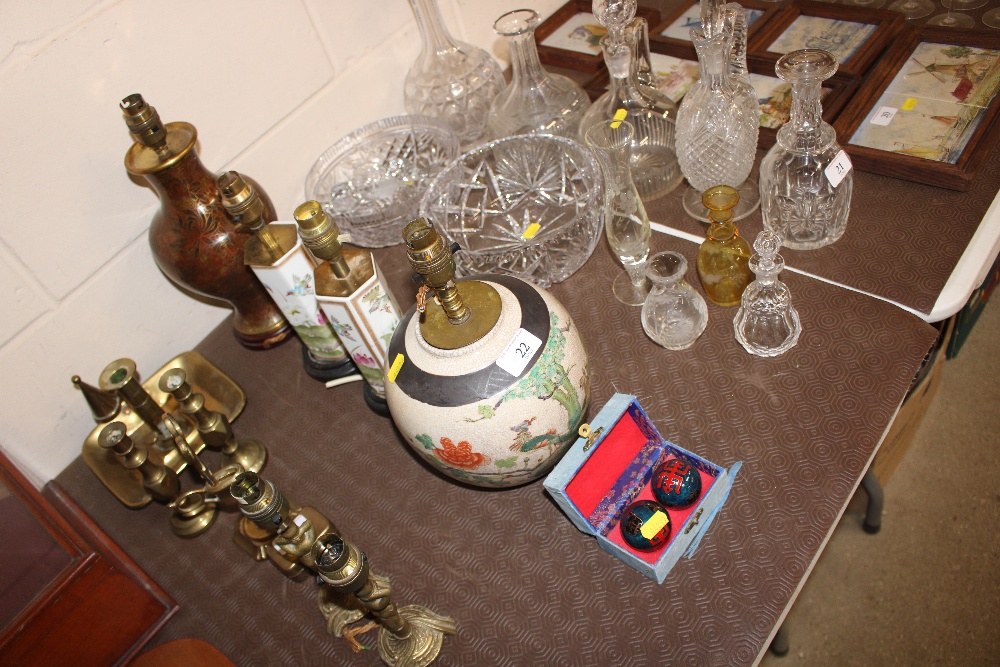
[[625, 221]]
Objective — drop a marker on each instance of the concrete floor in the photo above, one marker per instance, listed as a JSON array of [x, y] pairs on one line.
[[926, 589]]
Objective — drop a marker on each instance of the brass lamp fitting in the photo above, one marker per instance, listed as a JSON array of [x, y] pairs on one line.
[[260, 501], [241, 200], [161, 482], [120, 376], [462, 311], [321, 235], [410, 635], [144, 122]]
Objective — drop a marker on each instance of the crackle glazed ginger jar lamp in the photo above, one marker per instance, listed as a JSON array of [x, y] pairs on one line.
[[488, 378]]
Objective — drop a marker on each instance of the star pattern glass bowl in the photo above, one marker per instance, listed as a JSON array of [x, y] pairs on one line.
[[528, 205], [371, 181]]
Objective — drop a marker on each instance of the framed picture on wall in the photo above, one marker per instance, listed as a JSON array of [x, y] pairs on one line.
[[571, 37], [674, 30], [927, 112], [855, 36]]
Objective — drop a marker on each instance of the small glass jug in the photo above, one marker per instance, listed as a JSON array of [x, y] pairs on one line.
[[674, 314]]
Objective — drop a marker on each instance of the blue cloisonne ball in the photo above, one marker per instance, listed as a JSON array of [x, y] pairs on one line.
[[676, 484], [645, 525]]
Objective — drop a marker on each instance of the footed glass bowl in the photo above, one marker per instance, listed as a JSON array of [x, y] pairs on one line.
[[371, 181], [530, 206]]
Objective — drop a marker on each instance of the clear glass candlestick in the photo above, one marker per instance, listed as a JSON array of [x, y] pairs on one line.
[[799, 199], [767, 324], [674, 314], [450, 80], [625, 221], [536, 101]]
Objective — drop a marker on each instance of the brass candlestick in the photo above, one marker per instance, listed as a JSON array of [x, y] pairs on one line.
[[214, 428], [195, 511], [161, 482], [410, 635], [121, 378]]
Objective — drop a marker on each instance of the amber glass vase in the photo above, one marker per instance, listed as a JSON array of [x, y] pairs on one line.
[[193, 239]]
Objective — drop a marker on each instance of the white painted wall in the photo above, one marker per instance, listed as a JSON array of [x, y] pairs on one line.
[[268, 84]]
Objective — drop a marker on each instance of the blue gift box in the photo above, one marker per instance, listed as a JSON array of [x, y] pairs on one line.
[[611, 465]]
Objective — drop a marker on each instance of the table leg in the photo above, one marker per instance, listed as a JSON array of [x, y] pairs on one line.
[[779, 645], [873, 516]]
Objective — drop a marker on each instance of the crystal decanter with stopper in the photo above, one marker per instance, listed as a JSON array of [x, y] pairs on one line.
[[805, 179], [766, 323], [716, 124], [536, 101], [674, 314], [724, 256], [655, 170], [451, 80]]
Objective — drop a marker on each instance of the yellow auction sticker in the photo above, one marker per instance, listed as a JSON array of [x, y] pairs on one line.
[[909, 103], [654, 525], [619, 117], [530, 232], [397, 364]]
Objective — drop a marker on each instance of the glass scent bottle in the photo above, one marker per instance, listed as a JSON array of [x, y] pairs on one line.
[[716, 129], [724, 256], [803, 197], [450, 80], [674, 314], [625, 221], [535, 101], [766, 323], [655, 170]]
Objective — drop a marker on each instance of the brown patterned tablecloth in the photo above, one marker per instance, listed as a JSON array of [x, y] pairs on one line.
[[525, 586]]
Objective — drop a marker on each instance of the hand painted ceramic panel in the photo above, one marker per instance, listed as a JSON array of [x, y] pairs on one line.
[[291, 284], [841, 38], [365, 322], [581, 33], [934, 104], [681, 28]]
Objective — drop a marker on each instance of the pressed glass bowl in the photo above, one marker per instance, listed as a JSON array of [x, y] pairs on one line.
[[371, 181], [530, 206]]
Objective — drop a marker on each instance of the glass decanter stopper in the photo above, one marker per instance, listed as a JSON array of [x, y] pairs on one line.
[[766, 323], [724, 256], [615, 15], [716, 129], [738, 70], [536, 101], [625, 222], [674, 314], [655, 170], [450, 80], [802, 195]]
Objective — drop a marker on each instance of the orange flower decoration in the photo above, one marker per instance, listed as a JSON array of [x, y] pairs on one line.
[[460, 455]]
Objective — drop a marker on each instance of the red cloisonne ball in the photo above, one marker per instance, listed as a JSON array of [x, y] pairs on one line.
[[676, 484], [645, 525]]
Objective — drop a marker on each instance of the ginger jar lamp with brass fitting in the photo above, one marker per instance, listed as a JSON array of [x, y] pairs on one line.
[[287, 271], [488, 377]]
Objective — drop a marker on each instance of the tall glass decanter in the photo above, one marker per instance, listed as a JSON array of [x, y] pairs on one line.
[[536, 101], [655, 170], [805, 179], [767, 324], [716, 126], [451, 80]]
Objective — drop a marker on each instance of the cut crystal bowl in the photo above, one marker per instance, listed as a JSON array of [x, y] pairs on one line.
[[530, 206], [371, 181]]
